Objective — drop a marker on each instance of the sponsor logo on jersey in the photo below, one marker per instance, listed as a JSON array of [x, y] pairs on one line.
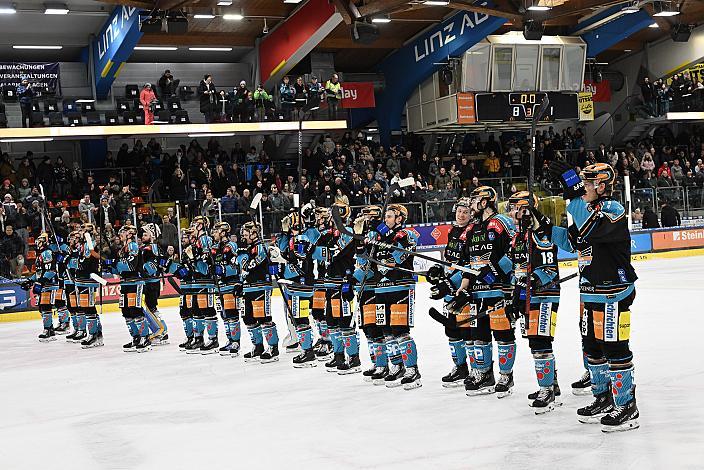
[[611, 321], [544, 319]]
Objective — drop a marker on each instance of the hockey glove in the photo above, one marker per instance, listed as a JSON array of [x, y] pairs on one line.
[[26, 284], [60, 258], [182, 272], [459, 302], [541, 223], [286, 224], [347, 291], [440, 289], [219, 270], [37, 288], [237, 289], [565, 174], [382, 229], [436, 273], [274, 269]]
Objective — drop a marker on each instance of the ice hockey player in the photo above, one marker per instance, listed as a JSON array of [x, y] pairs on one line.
[[78, 317], [365, 225], [183, 271], [444, 284], [335, 251], [126, 265], [60, 250], [88, 262], [323, 347], [206, 319], [45, 285], [253, 262], [395, 297], [535, 268], [486, 251], [296, 246], [150, 254], [229, 287], [600, 235]]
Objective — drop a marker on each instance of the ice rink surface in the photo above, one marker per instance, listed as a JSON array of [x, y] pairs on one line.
[[67, 408]]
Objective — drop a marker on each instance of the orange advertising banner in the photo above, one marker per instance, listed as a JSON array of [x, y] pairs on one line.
[[466, 113], [678, 239]]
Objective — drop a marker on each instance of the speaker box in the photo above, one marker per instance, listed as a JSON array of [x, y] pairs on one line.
[[150, 25], [177, 25], [533, 30], [364, 33], [681, 32]]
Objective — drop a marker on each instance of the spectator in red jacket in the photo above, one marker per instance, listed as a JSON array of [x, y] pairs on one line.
[[146, 97]]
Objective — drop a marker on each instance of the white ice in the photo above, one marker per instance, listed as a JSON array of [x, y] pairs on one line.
[[63, 407]]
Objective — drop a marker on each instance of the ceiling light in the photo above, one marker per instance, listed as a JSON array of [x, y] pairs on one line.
[[293, 1], [381, 19], [204, 16], [213, 134], [225, 3], [218, 49], [653, 25], [156, 48], [55, 9], [85, 100], [438, 3], [628, 50], [37, 47], [36, 139], [539, 8], [233, 16], [667, 13], [7, 10]]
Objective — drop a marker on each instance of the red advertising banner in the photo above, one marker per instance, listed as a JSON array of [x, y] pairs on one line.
[[358, 95], [601, 92], [678, 239], [111, 291]]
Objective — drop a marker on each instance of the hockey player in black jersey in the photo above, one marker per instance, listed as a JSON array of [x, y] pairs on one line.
[[601, 237], [536, 295], [150, 255], [445, 283], [229, 286]]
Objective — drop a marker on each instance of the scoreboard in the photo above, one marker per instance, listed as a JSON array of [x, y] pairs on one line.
[[522, 106]]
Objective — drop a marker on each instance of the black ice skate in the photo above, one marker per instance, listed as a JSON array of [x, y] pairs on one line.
[[270, 355], [293, 348], [352, 366], [211, 347], [92, 341], [47, 335], [583, 386], [544, 401], [159, 340], [80, 336], [456, 377], [143, 345], [62, 329], [235, 349], [602, 405], [367, 374], [71, 336], [196, 344], [225, 350], [305, 359], [555, 389], [379, 375], [131, 346], [337, 359], [324, 351], [254, 354], [621, 418], [411, 379], [393, 378], [186, 344], [482, 383], [504, 387]]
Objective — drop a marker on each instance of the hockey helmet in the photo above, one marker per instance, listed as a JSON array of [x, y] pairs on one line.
[[249, 228], [74, 236], [88, 228], [599, 173], [521, 198], [202, 221], [484, 192], [152, 230], [42, 239], [295, 221], [343, 209], [128, 230], [372, 212], [188, 233], [308, 214], [322, 215], [399, 209]]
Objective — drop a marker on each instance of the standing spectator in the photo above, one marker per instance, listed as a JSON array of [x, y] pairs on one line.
[[86, 208], [45, 174], [209, 208], [649, 94], [26, 96], [333, 91], [26, 170], [61, 175], [11, 251], [8, 188], [300, 96], [287, 95], [146, 96], [167, 85], [106, 214], [669, 217], [239, 109], [208, 98], [315, 94], [22, 223], [24, 190], [263, 103], [177, 186], [492, 166], [169, 234], [194, 198]]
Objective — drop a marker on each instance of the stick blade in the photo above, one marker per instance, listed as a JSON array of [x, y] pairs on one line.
[[255, 202], [98, 279]]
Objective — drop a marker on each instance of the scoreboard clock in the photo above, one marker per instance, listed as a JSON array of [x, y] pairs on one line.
[[522, 106]]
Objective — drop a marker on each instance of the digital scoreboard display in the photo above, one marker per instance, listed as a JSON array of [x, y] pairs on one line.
[[522, 106]]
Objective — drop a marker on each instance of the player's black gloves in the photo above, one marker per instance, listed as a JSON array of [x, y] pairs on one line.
[[441, 288], [435, 273], [542, 224], [565, 174], [461, 299]]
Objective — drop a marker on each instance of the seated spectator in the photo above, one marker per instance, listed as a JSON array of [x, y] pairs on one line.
[[26, 169], [168, 86], [11, 253]]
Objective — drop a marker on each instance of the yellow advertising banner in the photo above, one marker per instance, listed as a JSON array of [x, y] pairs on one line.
[[586, 106]]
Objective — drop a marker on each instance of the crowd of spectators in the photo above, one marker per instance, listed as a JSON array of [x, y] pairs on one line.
[[682, 92]]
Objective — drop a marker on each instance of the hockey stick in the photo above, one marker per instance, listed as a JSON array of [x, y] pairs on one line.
[[341, 227]]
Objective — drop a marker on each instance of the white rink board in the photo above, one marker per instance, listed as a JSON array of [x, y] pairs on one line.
[[65, 408]]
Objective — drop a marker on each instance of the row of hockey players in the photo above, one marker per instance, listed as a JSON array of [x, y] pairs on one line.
[[515, 277]]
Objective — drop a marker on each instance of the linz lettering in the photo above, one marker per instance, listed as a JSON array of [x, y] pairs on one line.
[[114, 29], [437, 40]]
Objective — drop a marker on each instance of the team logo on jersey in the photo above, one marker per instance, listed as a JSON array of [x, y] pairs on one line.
[[491, 236]]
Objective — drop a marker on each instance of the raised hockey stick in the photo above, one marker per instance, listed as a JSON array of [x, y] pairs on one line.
[[341, 227]]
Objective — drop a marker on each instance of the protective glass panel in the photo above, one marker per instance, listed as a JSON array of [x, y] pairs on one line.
[[503, 68], [550, 70], [525, 70], [476, 68], [572, 68]]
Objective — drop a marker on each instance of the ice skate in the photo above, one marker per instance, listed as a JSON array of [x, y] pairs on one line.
[[601, 406], [131, 346], [305, 359], [367, 374], [254, 354], [483, 383], [456, 377], [196, 344], [71, 336], [324, 351], [143, 345], [92, 341], [352, 366], [621, 418], [411, 379], [186, 344], [62, 329], [225, 350], [293, 348], [393, 378], [270, 355], [47, 335], [211, 347], [159, 340], [544, 402], [504, 387], [379, 376], [583, 386], [337, 359], [80, 336]]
